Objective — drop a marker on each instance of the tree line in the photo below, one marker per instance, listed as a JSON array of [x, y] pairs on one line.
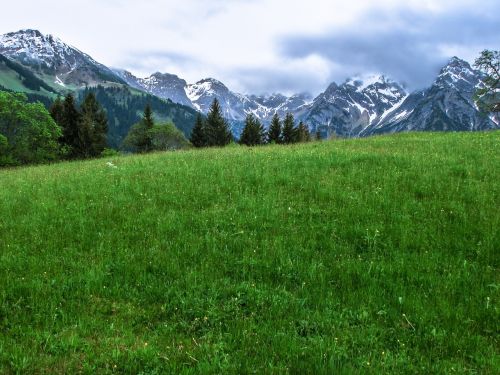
[[84, 128], [215, 131]]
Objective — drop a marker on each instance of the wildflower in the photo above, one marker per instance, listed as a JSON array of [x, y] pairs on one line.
[[111, 165]]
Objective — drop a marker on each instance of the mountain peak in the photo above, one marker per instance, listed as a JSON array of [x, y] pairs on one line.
[[50, 55], [457, 72], [211, 81], [456, 65]]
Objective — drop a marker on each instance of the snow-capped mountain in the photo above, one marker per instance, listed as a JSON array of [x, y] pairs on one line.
[[49, 55], [360, 106], [201, 94], [350, 108], [447, 105], [163, 85], [237, 106]]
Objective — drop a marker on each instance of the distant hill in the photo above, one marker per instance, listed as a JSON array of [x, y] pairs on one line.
[[125, 107]]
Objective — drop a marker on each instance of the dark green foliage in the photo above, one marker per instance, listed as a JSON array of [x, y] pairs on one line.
[[318, 135], [70, 121], [217, 128], [166, 137], [147, 117], [289, 135], [199, 134], [93, 127], [253, 132], [139, 137], [56, 110], [29, 80], [136, 139], [33, 98], [124, 108], [488, 97], [274, 134], [302, 133], [5, 157], [163, 137], [28, 134], [84, 130]]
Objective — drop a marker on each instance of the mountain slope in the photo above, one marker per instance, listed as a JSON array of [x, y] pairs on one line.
[[348, 109], [201, 94], [48, 55], [447, 105], [125, 106], [163, 85], [16, 77]]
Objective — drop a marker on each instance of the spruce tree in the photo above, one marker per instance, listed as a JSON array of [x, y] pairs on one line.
[[93, 127], [302, 133], [69, 123], [253, 132], [274, 134], [289, 135], [217, 128], [57, 111], [318, 135], [198, 135], [147, 118], [147, 124]]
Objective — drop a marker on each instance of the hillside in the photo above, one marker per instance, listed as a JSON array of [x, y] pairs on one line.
[[124, 107], [375, 255]]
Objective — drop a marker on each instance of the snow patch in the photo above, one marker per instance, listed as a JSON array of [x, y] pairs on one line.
[[59, 82]]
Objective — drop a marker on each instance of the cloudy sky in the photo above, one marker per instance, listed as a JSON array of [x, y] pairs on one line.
[[264, 46]]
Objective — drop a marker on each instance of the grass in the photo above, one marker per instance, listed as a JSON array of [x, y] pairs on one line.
[[376, 255]]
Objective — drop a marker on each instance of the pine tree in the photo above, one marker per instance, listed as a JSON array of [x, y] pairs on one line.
[[253, 132], [93, 127], [69, 123], [274, 134], [198, 135], [289, 135], [302, 133], [217, 128]]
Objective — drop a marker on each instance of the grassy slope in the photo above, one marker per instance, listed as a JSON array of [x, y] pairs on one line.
[[375, 255]]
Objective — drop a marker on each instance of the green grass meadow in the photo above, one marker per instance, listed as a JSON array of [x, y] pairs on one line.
[[374, 256]]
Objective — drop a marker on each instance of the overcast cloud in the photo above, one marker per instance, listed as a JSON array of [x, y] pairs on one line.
[[258, 46]]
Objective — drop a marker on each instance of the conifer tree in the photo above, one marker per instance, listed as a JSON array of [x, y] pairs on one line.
[[147, 118], [302, 133], [274, 134], [93, 127], [253, 132], [217, 128], [318, 135], [69, 123], [57, 111], [289, 135], [198, 135]]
